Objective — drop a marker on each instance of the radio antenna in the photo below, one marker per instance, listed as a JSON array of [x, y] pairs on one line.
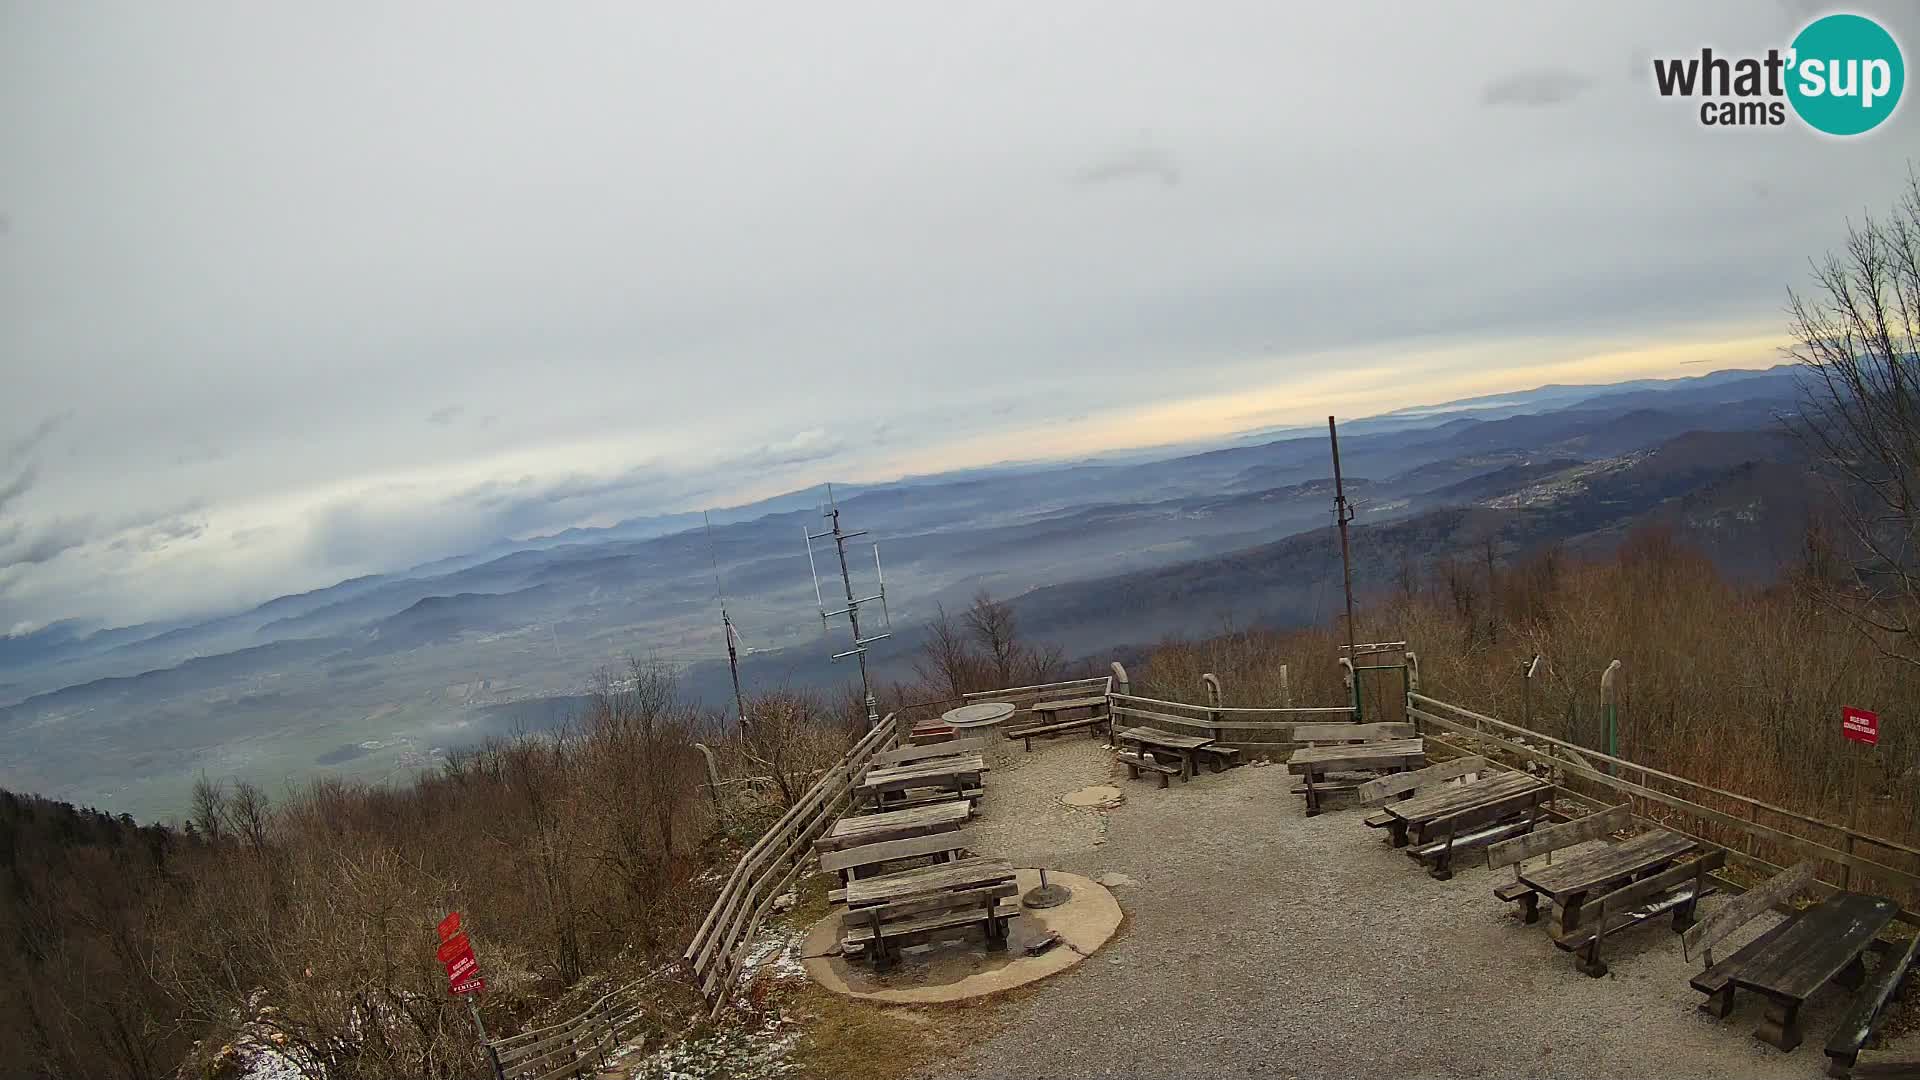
[[831, 511], [726, 624]]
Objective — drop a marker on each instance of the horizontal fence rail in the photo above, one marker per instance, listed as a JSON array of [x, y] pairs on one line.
[[1256, 728], [1736, 813], [718, 953], [574, 1044]]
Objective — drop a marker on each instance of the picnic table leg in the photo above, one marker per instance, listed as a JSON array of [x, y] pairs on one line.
[[1781, 1026], [1397, 833], [1186, 765], [1720, 1002], [1442, 869], [1570, 911], [1313, 800], [1530, 908]]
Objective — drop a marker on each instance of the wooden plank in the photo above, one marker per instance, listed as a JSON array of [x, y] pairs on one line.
[[1714, 979], [894, 825], [956, 748], [1855, 1028], [1386, 754], [1214, 725], [1351, 732], [1555, 837], [1151, 737], [1822, 942], [959, 874], [1375, 792], [1708, 932], [834, 862], [1610, 863]]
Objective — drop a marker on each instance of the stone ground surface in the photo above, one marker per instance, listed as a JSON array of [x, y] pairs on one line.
[[1259, 942]]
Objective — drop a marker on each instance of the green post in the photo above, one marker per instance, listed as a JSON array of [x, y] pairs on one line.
[[1610, 713]]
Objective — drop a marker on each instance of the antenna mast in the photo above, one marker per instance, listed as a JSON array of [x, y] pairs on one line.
[[852, 611], [1342, 513], [726, 625]]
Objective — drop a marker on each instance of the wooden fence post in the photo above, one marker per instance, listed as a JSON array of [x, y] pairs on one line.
[[1609, 713], [1212, 683], [1352, 680], [713, 773], [1120, 684], [1286, 689]]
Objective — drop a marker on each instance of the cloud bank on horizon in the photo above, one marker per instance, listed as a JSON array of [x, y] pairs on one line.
[[288, 296]]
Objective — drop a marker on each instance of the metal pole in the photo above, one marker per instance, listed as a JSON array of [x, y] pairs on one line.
[[493, 1055], [733, 664], [853, 617], [1343, 513]]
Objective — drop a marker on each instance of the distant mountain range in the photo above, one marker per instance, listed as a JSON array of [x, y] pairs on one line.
[[379, 673]]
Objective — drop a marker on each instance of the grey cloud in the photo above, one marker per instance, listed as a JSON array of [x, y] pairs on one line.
[[1146, 164], [33, 546], [445, 415], [1536, 88], [25, 445], [18, 486]]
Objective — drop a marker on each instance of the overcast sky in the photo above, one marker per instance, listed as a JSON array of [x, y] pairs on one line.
[[290, 293]]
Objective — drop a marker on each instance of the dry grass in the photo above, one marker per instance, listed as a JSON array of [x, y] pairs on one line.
[[855, 1040]]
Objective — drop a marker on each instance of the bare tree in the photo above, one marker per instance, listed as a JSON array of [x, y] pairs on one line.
[[207, 810], [946, 661], [250, 815], [1856, 334], [996, 631]]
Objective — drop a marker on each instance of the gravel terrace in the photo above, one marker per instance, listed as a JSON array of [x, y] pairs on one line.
[[1260, 942]]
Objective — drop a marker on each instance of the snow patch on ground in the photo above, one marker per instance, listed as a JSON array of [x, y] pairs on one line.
[[735, 1053]]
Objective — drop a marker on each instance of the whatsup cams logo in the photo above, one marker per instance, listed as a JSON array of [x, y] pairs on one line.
[[1842, 75]]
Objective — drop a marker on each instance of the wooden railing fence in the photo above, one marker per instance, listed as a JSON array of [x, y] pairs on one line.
[[576, 1044], [1751, 830], [718, 952], [1246, 729]]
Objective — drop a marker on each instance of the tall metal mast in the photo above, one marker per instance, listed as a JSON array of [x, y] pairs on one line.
[[1343, 513], [852, 611], [726, 625]]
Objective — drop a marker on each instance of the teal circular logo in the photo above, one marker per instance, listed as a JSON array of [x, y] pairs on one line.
[[1846, 74]]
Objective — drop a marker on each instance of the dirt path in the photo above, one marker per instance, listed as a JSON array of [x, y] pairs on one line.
[[1263, 943]]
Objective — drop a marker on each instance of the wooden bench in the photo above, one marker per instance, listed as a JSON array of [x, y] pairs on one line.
[[1677, 889], [885, 912], [1360, 761], [1405, 785], [869, 859], [1219, 758], [1856, 1028], [1135, 762], [908, 754], [850, 832], [1546, 841], [1791, 961], [1464, 832]]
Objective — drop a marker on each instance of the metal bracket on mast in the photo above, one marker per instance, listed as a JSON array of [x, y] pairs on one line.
[[831, 511]]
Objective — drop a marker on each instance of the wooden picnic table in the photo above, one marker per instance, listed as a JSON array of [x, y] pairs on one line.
[[1183, 745], [1313, 762], [895, 825], [1488, 799], [1822, 944], [941, 877], [951, 773], [1567, 881]]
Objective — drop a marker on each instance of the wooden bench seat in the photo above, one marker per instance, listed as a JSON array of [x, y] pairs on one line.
[[1857, 1027], [1094, 701], [1716, 981], [1219, 758], [1379, 819], [926, 798], [1512, 890], [941, 847], [1136, 762], [1026, 734], [923, 751], [860, 938], [1677, 889], [1439, 853]]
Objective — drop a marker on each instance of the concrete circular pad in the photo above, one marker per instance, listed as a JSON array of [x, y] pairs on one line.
[[961, 968], [1098, 797]]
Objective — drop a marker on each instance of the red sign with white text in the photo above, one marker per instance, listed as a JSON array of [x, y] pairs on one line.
[[456, 955], [1860, 725]]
